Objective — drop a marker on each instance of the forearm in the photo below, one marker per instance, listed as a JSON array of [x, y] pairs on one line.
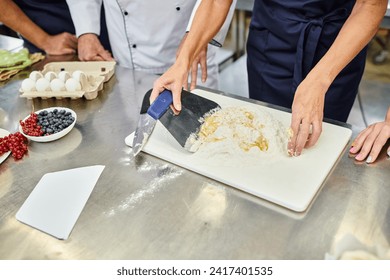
[[208, 20], [387, 119], [13, 17], [219, 38], [356, 33]]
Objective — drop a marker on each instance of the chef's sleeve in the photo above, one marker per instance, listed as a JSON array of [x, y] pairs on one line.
[[219, 38], [85, 15]]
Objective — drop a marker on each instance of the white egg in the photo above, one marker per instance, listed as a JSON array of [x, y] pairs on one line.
[[28, 85], [57, 85], [35, 75], [63, 75], [72, 85], [42, 84], [78, 75], [50, 76]]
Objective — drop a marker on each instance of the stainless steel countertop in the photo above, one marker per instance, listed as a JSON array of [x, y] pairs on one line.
[[146, 208]]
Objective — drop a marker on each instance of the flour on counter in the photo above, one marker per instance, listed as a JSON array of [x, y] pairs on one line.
[[240, 135]]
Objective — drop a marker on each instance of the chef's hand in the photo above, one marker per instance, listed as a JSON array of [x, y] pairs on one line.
[[307, 115], [60, 44], [90, 49], [173, 79], [370, 141], [201, 60]]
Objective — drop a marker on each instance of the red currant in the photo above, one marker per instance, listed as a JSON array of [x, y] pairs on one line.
[[16, 143]]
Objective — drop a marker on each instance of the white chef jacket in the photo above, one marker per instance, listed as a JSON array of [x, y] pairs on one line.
[[145, 34]]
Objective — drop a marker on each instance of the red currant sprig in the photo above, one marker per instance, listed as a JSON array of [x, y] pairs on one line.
[[30, 126], [16, 143]]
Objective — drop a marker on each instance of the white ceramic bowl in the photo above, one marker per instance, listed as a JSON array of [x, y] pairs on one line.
[[3, 133], [53, 136]]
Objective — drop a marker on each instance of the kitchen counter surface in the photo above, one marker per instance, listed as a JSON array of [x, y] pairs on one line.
[[146, 208]]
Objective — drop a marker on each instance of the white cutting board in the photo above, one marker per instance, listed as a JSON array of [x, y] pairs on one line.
[[291, 182]]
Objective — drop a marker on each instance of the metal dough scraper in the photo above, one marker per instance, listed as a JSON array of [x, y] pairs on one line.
[[181, 126]]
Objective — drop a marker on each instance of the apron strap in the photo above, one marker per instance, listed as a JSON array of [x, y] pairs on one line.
[[308, 41]]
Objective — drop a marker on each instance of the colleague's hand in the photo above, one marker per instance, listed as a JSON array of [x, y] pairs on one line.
[[307, 115], [370, 141], [60, 44], [173, 80], [90, 49]]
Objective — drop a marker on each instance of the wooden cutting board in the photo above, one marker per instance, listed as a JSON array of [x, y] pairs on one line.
[[291, 182]]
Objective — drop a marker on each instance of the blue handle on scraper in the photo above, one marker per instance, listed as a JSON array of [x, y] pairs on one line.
[[160, 105]]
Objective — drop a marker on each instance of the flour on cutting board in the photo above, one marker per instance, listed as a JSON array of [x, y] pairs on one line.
[[254, 137], [271, 175]]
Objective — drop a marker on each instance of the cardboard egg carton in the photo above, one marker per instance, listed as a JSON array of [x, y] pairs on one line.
[[96, 73]]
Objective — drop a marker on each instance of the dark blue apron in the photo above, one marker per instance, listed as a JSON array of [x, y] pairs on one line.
[[286, 39], [53, 16]]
